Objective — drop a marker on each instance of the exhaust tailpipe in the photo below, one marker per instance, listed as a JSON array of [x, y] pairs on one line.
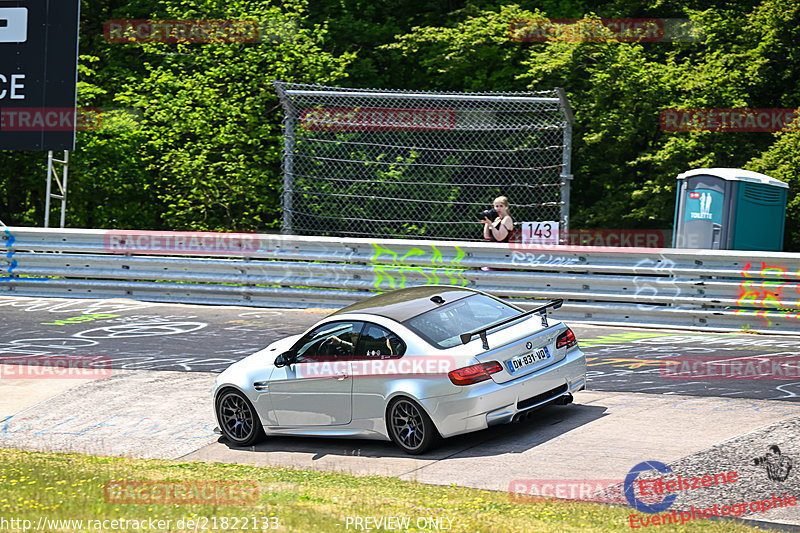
[[564, 400]]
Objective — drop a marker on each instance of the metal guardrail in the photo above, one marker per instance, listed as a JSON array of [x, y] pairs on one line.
[[759, 291]]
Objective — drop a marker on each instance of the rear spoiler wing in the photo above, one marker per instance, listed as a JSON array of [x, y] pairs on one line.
[[541, 310]]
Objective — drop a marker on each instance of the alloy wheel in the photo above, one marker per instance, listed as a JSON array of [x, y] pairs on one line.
[[237, 418], [408, 424]]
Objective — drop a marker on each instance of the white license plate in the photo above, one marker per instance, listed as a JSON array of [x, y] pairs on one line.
[[523, 361]]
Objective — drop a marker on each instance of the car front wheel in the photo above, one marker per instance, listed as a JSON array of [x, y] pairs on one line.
[[410, 427], [238, 420]]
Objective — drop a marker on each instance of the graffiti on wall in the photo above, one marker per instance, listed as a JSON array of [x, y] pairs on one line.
[[399, 269], [769, 292]]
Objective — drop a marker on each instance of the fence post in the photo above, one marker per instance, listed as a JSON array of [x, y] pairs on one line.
[[289, 122], [566, 168]]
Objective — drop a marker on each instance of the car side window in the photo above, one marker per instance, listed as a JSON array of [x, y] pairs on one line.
[[331, 340], [378, 342]]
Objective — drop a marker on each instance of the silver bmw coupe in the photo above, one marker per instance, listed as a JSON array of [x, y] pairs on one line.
[[411, 366]]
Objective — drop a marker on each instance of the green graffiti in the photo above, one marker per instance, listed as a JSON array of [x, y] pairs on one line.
[[386, 271], [79, 319], [460, 256], [437, 255], [411, 252], [379, 250], [380, 272], [619, 338]]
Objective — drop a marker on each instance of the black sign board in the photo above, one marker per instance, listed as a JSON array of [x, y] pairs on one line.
[[38, 74]]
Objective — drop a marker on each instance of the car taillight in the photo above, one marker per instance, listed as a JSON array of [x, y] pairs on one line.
[[474, 374], [566, 339]]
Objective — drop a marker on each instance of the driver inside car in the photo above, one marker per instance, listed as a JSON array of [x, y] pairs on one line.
[[335, 345]]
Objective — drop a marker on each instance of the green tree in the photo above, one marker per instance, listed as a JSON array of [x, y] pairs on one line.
[[205, 151], [211, 119], [782, 161], [624, 163]]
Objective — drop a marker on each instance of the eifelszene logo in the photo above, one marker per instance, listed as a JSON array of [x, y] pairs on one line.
[[629, 492]]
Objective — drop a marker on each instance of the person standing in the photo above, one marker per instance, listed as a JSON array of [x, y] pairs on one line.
[[499, 229]]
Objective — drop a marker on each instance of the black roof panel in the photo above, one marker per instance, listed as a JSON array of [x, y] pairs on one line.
[[402, 304]]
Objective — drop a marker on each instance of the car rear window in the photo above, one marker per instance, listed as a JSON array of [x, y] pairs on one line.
[[443, 326]]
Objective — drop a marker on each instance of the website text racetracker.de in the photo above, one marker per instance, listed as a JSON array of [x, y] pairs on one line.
[[193, 523]]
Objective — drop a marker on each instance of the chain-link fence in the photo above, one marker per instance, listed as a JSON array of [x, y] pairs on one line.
[[382, 163]]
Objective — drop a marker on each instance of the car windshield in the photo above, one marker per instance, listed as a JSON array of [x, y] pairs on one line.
[[443, 326]]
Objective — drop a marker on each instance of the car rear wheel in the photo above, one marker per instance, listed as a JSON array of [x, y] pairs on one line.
[[238, 419], [410, 427]]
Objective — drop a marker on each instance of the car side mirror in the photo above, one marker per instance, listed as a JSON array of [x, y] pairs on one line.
[[286, 358]]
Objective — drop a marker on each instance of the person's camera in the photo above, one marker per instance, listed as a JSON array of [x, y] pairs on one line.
[[491, 214]]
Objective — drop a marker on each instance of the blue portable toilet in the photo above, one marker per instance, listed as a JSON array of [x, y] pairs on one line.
[[729, 209]]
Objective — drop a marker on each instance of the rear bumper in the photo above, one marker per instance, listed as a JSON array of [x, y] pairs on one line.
[[489, 403]]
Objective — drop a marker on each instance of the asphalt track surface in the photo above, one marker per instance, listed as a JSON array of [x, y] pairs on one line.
[[163, 337], [156, 403]]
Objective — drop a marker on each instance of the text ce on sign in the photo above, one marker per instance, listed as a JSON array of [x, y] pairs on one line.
[[38, 72]]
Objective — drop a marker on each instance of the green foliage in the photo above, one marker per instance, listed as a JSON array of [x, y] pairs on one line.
[[22, 184], [624, 163], [205, 152], [782, 161], [211, 115]]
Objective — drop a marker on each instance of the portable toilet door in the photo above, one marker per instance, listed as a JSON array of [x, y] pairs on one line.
[[729, 209]]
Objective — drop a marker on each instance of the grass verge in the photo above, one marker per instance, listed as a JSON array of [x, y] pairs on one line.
[[48, 487]]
